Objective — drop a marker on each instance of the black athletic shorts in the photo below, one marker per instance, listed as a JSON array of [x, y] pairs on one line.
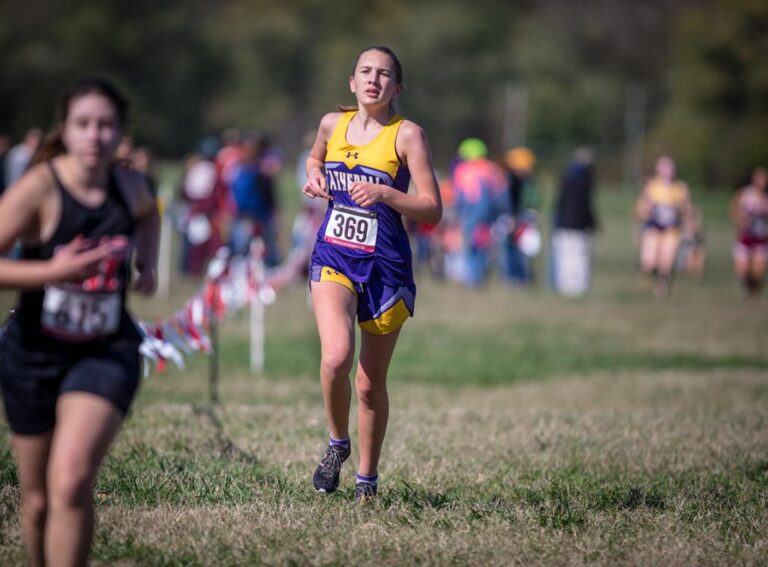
[[32, 380]]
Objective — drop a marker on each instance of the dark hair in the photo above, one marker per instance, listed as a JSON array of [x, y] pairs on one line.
[[53, 144], [387, 51]]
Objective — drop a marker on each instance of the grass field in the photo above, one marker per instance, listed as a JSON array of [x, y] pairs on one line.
[[525, 429]]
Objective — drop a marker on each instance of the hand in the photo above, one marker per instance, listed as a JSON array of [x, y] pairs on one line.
[[145, 281], [79, 259], [368, 194], [316, 185]]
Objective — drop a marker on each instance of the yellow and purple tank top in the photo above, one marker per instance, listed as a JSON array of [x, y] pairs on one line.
[[667, 200], [364, 243]]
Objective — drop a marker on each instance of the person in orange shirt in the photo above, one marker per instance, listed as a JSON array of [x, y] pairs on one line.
[[479, 188]]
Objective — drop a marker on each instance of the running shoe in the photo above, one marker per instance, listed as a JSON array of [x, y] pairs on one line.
[[364, 491], [326, 477]]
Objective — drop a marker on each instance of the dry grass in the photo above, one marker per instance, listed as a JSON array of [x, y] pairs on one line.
[[634, 469]]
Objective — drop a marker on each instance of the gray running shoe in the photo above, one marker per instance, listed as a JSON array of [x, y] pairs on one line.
[[326, 477], [364, 491]]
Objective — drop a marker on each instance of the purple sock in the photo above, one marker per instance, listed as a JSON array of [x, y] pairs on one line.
[[339, 442], [372, 479]]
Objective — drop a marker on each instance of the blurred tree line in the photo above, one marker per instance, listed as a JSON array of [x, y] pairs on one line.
[[631, 79]]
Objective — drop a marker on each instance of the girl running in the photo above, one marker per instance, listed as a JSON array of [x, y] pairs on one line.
[[749, 212], [362, 162], [69, 358], [663, 206]]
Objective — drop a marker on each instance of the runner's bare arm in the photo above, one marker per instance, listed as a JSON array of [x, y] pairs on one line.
[[20, 208], [20, 217], [316, 185], [147, 234]]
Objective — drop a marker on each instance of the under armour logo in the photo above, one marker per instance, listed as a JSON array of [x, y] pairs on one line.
[[350, 154]]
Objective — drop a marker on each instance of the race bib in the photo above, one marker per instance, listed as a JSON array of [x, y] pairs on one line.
[[352, 228], [77, 315]]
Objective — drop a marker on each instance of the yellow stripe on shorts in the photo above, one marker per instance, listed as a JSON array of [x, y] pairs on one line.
[[330, 275], [389, 321]]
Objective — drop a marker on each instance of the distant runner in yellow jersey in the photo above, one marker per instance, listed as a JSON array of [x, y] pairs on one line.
[[663, 207]]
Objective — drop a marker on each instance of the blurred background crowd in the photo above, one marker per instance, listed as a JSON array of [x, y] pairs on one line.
[[516, 98]]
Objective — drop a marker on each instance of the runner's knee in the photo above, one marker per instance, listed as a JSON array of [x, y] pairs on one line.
[[370, 392], [34, 505], [69, 486], [337, 364]]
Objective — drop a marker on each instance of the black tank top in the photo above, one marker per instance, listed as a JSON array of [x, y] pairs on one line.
[[111, 219]]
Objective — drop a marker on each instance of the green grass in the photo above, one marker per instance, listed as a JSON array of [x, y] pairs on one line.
[[525, 429], [454, 359]]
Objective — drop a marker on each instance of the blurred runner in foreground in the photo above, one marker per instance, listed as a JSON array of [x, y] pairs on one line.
[[69, 359]]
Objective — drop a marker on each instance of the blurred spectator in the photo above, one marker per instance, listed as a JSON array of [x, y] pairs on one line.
[[230, 155], [201, 221], [523, 205], [18, 157], [445, 250], [523, 193], [574, 223], [479, 187], [663, 207], [749, 212], [271, 165], [5, 144], [423, 236], [251, 194], [691, 256], [438, 246]]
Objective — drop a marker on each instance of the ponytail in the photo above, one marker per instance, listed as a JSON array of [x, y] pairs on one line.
[[51, 147]]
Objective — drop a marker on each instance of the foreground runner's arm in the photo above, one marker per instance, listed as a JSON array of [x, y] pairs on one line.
[[425, 205], [20, 214], [146, 236]]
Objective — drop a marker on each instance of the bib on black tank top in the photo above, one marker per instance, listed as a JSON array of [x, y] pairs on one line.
[[94, 310]]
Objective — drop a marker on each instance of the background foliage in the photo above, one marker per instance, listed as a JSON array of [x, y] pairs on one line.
[[685, 76]]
